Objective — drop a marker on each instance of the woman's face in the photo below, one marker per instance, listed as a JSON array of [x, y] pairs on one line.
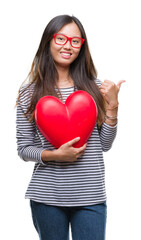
[[64, 55]]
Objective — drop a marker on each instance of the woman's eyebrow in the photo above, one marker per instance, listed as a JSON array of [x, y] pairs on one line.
[[67, 35]]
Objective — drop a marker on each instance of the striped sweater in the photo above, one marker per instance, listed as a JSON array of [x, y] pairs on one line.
[[79, 183]]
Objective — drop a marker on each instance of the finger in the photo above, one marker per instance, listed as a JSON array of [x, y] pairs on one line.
[[107, 81], [103, 92], [80, 154], [119, 84], [81, 149], [73, 141], [103, 85]]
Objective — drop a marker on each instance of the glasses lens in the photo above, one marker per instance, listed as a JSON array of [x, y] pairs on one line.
[[76, 42], [60, 39]]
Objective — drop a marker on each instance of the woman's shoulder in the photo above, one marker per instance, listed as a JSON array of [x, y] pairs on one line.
[[25, 93], [26, 88]]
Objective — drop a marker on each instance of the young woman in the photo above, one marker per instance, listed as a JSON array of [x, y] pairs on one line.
[[67, 185]]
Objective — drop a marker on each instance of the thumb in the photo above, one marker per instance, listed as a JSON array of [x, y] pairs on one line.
[[73, 141], [119, 84]]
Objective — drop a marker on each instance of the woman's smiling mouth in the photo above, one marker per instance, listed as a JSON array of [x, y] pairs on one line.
[[66, 55]]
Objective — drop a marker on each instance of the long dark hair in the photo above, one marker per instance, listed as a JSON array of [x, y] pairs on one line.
[[44, 74]]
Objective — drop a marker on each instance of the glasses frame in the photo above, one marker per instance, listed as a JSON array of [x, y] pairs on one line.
[[68, 39]]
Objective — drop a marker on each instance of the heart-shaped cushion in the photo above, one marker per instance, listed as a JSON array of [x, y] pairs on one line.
[[61, 122]]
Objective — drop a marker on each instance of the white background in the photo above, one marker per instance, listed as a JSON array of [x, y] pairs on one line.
[[113, 30]]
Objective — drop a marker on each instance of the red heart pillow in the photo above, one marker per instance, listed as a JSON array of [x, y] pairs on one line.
[[61, 122]]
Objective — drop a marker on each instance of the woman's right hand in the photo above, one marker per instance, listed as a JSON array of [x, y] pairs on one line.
[[65, 153]]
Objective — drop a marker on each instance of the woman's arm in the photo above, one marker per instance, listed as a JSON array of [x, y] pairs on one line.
[[110, 91], [107, 135], [109, 128], [25, 133], [66, 153]]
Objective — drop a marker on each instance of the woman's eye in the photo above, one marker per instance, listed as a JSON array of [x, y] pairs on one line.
[[60, 38], [75, 41]]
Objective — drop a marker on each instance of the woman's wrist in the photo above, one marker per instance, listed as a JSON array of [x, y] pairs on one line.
[[112, 105], [48, 156], [111, 123], [111, 117]]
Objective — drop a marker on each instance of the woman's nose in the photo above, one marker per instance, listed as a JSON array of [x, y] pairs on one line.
[[67, 45]]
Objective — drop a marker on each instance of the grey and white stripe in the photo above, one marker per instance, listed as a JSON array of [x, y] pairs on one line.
[[63, 184]]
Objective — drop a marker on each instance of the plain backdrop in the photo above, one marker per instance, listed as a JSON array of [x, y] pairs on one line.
[[114, 35]]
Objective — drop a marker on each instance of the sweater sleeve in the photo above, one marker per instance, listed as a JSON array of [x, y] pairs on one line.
[[25, 133], [107, 136], [107, 133]]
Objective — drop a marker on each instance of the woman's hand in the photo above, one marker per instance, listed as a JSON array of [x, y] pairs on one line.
[[110, 91], [65, 153]]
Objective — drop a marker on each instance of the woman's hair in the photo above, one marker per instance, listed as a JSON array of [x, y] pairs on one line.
[[44, 74]]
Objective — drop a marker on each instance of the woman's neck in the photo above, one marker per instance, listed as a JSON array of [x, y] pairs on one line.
[[64, 79]]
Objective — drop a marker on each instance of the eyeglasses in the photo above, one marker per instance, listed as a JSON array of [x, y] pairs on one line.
[[61, 39]]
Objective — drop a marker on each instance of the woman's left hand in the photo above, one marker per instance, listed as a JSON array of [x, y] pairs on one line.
[[110, 91]]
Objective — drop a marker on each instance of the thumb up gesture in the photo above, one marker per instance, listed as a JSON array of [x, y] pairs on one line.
[[110, 91]]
